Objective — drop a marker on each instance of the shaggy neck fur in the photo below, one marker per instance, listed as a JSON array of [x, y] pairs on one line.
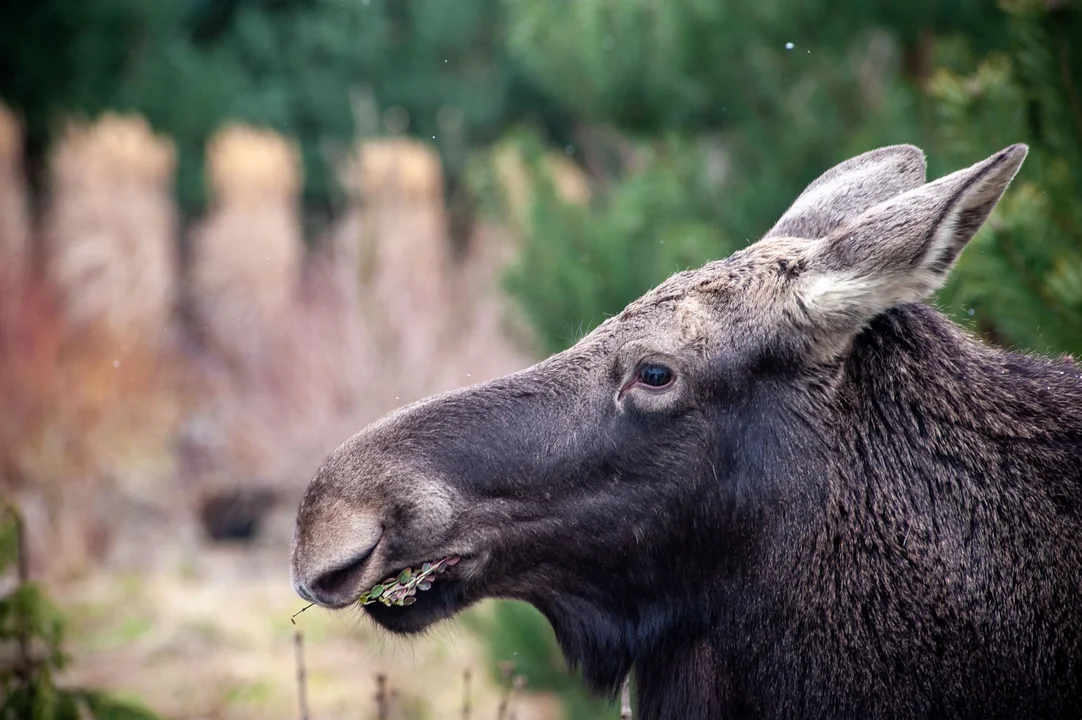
[[955, 459]]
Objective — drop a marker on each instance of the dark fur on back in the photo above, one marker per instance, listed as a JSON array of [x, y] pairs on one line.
[[840, 505]]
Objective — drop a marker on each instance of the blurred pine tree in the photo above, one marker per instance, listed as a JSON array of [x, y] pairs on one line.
[[1020, 282], [719, 84], [724, 122]]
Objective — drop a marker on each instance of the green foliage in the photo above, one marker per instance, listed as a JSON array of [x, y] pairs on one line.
[[782, 116], [581, 264], [701, 64], [1020, 281], [31, 641], [85, 43], [58, 57], [684, 199], [701, 89]]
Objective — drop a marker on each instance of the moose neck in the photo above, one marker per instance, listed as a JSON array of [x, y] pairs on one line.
[[690, 681], [917, 387]]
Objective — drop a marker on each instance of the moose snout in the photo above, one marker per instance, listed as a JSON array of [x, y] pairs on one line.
[[330, 557], [377, 496]]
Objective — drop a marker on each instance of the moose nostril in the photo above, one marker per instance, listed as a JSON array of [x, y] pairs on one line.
[[303, 592], [330, 554], [340, 584], [337, 583]]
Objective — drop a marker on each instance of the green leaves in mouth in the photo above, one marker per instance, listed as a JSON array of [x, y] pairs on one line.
[[400, 591]]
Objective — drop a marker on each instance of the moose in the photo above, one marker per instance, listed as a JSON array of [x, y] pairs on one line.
[[781, 485]]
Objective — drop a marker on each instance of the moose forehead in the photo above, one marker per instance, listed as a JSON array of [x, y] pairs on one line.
[[747, 291]]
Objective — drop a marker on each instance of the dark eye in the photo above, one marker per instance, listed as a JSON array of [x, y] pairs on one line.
[[655, 375]]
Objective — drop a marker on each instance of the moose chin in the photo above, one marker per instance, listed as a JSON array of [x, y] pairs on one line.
[[779, 486]]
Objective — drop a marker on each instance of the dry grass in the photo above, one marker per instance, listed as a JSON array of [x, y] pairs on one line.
[[86, 429], [399, 167], [490, 338], [280, 337], [211, 638], [303, 349], [88, 387], [380, 316], [14, 215], [247, 254], [110, 226], [437, 322], [403, 256], [252, 165]]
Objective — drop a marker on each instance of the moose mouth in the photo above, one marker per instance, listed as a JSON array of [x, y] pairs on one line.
[[415, 598]]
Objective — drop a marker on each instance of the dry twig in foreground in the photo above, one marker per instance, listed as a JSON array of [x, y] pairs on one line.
[[302, 682], [381, 697], [466, 695], [506, 668]]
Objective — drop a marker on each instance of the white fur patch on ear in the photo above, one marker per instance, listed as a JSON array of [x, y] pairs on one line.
[[903, 249], [855, 292], [837, 294]]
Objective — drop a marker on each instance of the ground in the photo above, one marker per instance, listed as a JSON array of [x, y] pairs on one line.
[[206, 635]]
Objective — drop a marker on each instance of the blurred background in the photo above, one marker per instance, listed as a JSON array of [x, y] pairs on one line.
[[233, 232]]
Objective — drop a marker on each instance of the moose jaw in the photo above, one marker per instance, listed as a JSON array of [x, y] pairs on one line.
[[780, 485]]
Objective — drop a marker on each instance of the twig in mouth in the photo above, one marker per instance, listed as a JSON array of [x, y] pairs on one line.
[[299, 612], [400, 591]]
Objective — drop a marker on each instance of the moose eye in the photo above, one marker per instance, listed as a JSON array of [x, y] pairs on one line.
[[655, 376]]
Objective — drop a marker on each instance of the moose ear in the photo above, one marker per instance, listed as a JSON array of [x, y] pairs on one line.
[[902, 250], [850, 188]]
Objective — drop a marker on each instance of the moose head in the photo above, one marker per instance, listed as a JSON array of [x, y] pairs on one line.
[[679, 469]]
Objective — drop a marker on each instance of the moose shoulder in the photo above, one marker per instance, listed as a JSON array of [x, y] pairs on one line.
[[775, 486]]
